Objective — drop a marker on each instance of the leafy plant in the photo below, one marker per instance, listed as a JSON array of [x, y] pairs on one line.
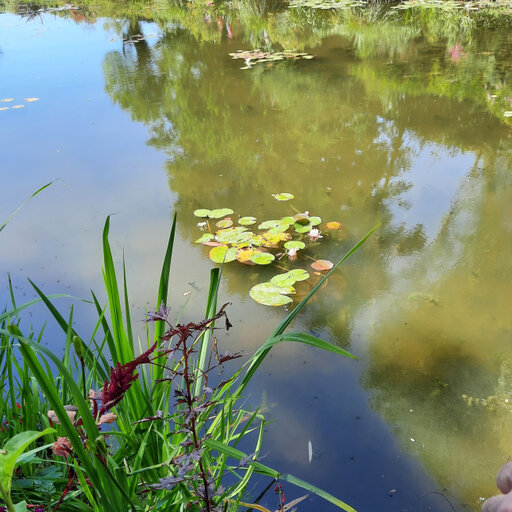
[[174, 435]]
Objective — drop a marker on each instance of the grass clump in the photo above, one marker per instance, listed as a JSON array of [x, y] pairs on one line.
[[125, 426]]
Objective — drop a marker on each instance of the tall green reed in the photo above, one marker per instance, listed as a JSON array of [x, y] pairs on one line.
[[174, 439]]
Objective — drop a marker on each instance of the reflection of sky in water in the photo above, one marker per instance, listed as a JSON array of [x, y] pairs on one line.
[[76, 134]]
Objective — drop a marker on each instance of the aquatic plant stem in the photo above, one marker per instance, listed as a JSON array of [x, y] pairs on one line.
[[7, 498]]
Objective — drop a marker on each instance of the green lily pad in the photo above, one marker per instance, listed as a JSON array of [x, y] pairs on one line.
[[314, 221], [299, 274], [280, 228], [223, 254], [220, 212], [224, 223], [269, 224], [283, 196], [231, 235], [270, 295], [202, 213], [247, 221], [262, 258], [294, 244], [299, 228], [204, 238], [288, 220], [283, 280]]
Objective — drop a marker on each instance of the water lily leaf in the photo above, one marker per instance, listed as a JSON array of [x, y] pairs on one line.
[[225, 223], [288, 220], [244, 255], [299, 274], [204, 238], [283, 280], [301, 218], [283, 196], [202, 212], [220, 212], [299, 228], [231, 235], [270, 295], [334, 225], [314, 221], [294, 244], [273, 240], [247, 221], [262, 258], [280, 228], [223, 254], [213, 243], [322, 265], [269, 224]]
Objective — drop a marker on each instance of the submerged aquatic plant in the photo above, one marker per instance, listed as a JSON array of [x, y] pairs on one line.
[[268, 242]]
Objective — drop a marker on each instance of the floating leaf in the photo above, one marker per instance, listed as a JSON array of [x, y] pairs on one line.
[[299, 274], [301, 218], [273, 240], [232, 236], [30, 100], [283, 280], [202, 213], [294, 244], [334, 225], [283, 196], [280, 228], [269, 224], [213, 244], [204, 238], [288, 220], [262, 258], [270, 295], [222, 254], [220, 212], [247, 221], [244, 255], [299, 228], [322, 265], [225, 223], [314, 221]]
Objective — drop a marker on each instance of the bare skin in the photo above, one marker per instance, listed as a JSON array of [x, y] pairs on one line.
[[503, 502]]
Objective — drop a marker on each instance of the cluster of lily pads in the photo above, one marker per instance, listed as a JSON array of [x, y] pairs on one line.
[[259, 243], [252, 57]]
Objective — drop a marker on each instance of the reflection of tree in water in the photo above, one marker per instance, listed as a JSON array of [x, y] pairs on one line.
[[342, 135]]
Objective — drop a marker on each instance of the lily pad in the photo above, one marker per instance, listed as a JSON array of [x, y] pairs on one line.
[[220, 212], [288, 220], [314, 221], [231, 236], [269, 224], [262, 258], [283, 280], [223, 254], [322, 265], [284, 196], [334, 225], [207, 237], [202, 212], [247, 221], [294, 244], [244, 255], [224, 223], [299, 228], [270, 295], [299, 274], [280, 228]]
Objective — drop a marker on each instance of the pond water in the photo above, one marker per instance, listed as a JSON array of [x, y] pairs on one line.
[[402, 120]]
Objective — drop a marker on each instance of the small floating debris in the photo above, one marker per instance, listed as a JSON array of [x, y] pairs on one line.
[[253, 57], [137, 38]]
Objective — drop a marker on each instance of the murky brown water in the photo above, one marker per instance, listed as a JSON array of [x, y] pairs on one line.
[[398, 122]]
